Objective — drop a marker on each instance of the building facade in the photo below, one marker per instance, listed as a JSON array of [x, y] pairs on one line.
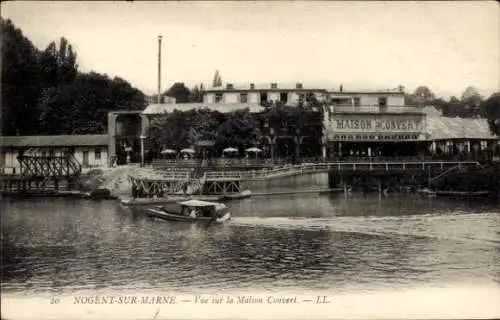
[[372, 123], [91, 151], [260, 94], [335, 124]]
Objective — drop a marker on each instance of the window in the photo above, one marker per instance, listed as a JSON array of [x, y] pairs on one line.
[[357, 101], [263, 97], [218, 97], [243, 97], [382, 103], [284, 97], [97, 154]]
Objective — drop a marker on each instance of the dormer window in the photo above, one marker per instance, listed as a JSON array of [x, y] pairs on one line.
[[274, 85]]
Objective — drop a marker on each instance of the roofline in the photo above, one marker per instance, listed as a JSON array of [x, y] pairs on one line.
[[237, 90], [322, 90], [381, 113], [19, 141], [10, 145], [366, 92], [462, 138]]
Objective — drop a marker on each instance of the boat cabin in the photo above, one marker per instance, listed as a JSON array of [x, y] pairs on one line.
[[198, 208]]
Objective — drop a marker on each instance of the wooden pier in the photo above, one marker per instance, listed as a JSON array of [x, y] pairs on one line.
[[221, 183], [380, 174], [39, 174]]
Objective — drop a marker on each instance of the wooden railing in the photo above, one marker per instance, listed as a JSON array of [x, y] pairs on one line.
[[227, 163], [338, 166]]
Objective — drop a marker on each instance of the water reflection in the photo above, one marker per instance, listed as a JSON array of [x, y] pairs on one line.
[[353, 242]]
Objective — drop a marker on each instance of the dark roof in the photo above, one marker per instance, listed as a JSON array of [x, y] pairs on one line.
[[54, 141]]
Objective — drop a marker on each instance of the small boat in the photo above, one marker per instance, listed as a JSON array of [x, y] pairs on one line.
[[167, 200], [242, 195], [427, 191], [192, 211]]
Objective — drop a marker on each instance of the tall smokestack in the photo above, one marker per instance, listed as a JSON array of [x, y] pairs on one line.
[[159, 68]]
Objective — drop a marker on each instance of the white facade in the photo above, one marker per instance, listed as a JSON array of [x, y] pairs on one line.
[[234, 96], [87, 156], [291, 95], [369, 99]]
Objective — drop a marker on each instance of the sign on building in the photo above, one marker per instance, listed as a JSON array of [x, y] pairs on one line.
[[375, 127]]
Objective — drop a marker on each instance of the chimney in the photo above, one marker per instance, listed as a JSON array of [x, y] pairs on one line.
[[229, 86], [401, 88], [274, 86], [298, 85], [252, 86]]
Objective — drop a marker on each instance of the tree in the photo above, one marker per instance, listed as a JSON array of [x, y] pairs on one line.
[[81, 107], [471, 99], [490, 109], [196, 94], [217, 81], [43, 92], [204, 126], [239, 129], [171, 130], [421, 96], [471, 93], [179, 91], [20, 82], [58, 65]]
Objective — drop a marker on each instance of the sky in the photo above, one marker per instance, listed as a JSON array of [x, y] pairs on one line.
[[378, 45]]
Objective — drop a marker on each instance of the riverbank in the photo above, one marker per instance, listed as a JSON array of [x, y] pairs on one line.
[[113, 183]]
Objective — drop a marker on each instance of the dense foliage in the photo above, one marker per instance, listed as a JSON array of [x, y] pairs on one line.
[[470, 104], [490, 109], [240, 129], [179, 130], [44, 93]]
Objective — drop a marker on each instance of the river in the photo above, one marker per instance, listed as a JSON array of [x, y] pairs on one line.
[[353, 245]]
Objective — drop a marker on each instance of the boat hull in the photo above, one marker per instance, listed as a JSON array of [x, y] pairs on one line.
[[156, 213], [242, 195]]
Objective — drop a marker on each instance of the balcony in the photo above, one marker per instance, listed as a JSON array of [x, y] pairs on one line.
[[375, 109]]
